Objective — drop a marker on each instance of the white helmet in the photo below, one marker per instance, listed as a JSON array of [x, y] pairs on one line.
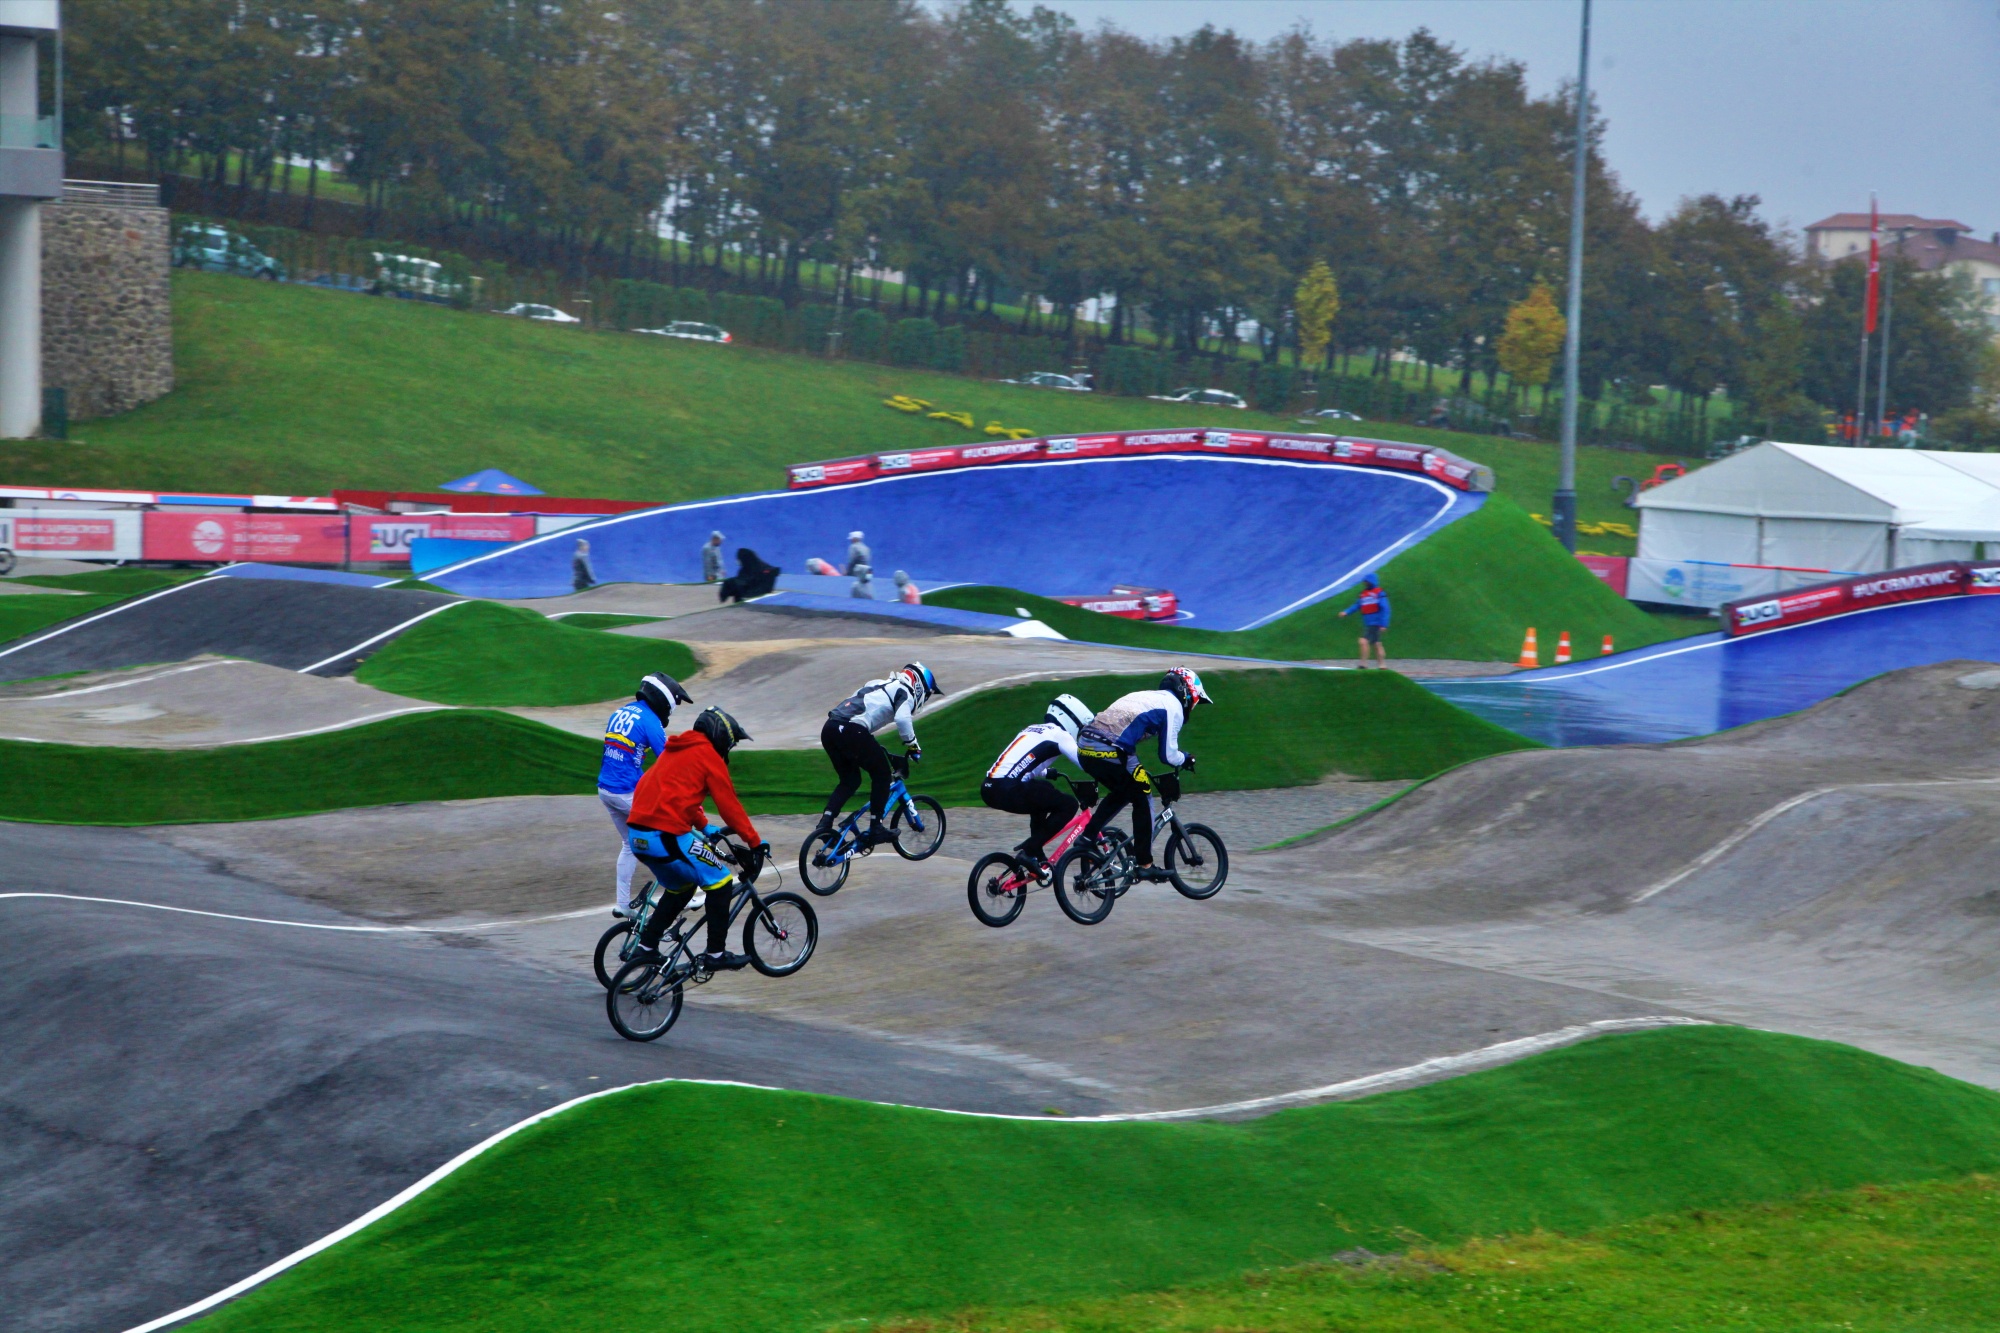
[[1069, 712]]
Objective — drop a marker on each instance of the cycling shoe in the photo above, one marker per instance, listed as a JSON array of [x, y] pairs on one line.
[[724, 962]]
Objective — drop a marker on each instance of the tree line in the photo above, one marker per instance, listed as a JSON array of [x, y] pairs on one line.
[[1011, 166]]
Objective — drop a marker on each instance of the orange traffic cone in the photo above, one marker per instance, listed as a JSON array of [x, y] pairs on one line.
[[1530, 656], [1608, 649], [1562, 648]]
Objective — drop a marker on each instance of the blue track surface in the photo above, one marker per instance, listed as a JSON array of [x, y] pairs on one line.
[[1692, 687], [1242, 540]]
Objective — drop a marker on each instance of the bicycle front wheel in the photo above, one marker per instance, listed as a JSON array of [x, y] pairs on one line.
[[1197, 862], [610, 954], [820, 874], [997, 889], [919, 828], [1087, 885], [641, 1002], [780, 938]]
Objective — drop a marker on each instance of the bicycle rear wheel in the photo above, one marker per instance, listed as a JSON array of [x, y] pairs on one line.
[[997, 889], [913, 843], [823, 877], [780, 939], [1087, 885], [642, 1002], [1197, 862]]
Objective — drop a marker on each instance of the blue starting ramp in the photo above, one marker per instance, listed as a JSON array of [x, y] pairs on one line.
[[1701, 685], [1243, 541]]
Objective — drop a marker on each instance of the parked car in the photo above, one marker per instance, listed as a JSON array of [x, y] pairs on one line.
[[216, 249], [548, 314], [1330, 414], [1206, 397], [407, 275], [694, 329], [1049, 379]]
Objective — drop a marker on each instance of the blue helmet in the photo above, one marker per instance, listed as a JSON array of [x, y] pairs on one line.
[[921, 680]]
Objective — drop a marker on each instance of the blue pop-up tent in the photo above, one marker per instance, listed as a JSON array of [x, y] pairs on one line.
[[490, 481]]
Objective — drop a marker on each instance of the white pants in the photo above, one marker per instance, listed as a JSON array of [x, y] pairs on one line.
[[618, 804]]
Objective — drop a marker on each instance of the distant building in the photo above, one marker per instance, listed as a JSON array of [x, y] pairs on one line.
[[1929, 243], [30, 174]]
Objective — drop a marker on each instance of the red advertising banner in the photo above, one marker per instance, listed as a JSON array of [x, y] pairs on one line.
[[919, 460], [305, 539], [388, 538], [833, 472], [1001, 451], [1613, 569], [1916, 584], [1082, 446], [1157, 441]]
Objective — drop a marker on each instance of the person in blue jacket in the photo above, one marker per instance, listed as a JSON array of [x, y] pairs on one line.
[[1373, 605], [634, 735]]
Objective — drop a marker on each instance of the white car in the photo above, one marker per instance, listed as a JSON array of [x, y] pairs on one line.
[[1206, 397], [1331, 414], [688, 328], [1049, 379], [548, 314]]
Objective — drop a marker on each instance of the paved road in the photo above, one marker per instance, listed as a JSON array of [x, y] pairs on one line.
[[186, 1099]]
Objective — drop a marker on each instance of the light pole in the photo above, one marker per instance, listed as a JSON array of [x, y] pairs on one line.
[[1564, 505], [1888, 319]]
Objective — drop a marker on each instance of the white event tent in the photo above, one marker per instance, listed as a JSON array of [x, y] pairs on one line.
[[1822, 507]]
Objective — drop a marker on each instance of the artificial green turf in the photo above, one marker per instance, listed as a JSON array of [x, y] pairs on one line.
[[25, 613], [445, 755], [488, 655], [606, 620], [293, 389], [1878, 1259], [738, 1209], [1267, 728], [1468, 592]]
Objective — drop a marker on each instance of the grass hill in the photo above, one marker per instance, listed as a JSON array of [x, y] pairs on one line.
[[1468, 593], [814, 1212], [293, 389]]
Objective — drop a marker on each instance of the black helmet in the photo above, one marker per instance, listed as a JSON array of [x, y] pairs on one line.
[[722, 730], [660, 692]]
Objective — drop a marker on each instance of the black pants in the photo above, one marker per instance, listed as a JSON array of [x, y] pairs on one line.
[[1122, 788], [1047, 806], [854, 750], [673, 901]]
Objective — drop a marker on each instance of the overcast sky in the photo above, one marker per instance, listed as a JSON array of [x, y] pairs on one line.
[[1809, 103]]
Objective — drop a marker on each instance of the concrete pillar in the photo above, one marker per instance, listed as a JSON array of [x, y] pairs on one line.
[[20, 318]]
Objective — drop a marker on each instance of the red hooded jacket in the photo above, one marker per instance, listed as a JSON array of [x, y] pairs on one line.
[[668, 797]]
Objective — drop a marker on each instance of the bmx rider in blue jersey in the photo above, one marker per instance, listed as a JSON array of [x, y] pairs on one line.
[[634, 736]]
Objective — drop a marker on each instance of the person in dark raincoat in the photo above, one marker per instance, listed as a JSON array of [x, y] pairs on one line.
[[753, 577]]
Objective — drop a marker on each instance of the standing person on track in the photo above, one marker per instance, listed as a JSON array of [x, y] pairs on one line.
[[711, 559], [1109, 751], [582, 575], [849, 740], [1373, 604], [1018, 782], [858, 554], [634, 736], [670, 833]]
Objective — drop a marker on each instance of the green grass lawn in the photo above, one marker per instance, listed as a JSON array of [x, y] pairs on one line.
[[1469, 592], [1269, 729], [483, 654], [26, 613], [727, 1208], [122, 582], [606, 620], [294, 389], [1875, 1259]]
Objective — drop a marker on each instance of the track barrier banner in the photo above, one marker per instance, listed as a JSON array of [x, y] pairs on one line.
[[1613, 569], [1982, 576], [1951, 578], [73, 534], [274, 538], [1439, 464], [388, 538]]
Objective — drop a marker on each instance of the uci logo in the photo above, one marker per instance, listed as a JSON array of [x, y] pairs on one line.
[[1986, 578], [1063, 446], [891, 462], [1215, 439], [808, 474], [1759, 613]]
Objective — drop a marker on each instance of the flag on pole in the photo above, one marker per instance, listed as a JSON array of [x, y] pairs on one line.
[[1874, 267]]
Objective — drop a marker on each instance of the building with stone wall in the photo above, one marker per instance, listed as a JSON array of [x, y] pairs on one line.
[[107, 327]]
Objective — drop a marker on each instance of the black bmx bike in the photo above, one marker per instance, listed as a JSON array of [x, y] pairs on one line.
[[780, 931], [1091, 877]]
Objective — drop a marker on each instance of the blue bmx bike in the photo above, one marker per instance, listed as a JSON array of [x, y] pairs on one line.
[[916, 821]]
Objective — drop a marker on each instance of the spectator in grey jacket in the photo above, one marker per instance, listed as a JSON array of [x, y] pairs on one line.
[[581, 575], [857, 553], [711, 559]]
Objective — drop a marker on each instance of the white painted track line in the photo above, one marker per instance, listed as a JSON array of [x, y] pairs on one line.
[[108, 611], [314, 925], [393, 629]]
